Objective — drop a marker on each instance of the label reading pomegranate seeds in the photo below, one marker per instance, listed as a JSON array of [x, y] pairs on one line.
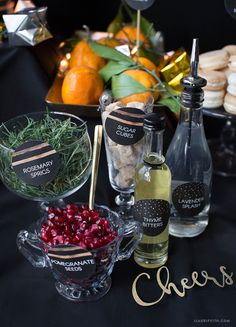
[[35, 162], [125, 125], [72, 261]]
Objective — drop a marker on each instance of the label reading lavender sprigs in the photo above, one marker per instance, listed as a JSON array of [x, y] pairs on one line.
[[125, 125], [35, 162], [189, 199], [72, 261], [153, 215]]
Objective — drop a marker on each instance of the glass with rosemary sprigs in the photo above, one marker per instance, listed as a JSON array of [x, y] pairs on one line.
[[45, 156]]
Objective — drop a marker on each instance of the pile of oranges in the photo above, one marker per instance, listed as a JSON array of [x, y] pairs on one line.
[[82, 84]]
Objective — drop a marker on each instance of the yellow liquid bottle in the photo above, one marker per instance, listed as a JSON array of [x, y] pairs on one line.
[[152, 197]]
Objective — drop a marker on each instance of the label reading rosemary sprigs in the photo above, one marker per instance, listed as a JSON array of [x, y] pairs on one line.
[[35, 162], [125, 125], [72, 261]]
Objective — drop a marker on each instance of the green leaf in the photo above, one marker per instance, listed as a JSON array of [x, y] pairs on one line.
[[151, 54], [112, 68], [124, 85], [115, 25], [149, 30], [171, 90], [172, 104], [110, 53]]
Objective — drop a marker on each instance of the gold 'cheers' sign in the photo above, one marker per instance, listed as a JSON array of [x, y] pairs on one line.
[[167, 287]]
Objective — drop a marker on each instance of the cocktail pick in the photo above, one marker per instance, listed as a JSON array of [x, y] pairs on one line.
[[139, 5], [95, 163]]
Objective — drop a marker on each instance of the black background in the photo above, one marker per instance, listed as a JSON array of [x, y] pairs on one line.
[[180, 21], [27, 295]]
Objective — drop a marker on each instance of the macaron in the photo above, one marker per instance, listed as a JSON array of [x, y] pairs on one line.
[[231, 49], [215, 80], [213, 99], [230, 104], [232, 84], [232, 63], [213, 60], [226, 71]]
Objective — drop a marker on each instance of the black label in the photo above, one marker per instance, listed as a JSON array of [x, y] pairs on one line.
[[189, 199], [230, 6], [35, 162], [72, 261], [140, 4], [125, 125], [153, 215]]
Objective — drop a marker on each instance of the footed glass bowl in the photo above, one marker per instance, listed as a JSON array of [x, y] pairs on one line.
[[80, 274], [45, 156]]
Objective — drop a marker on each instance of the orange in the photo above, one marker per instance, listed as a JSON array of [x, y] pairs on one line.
[[83, 55], [82, 85], [109, 41], [147, 63], [145, 79], [129, 34]]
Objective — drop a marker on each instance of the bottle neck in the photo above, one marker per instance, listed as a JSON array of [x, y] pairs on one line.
[[153, 147], [191, 114]]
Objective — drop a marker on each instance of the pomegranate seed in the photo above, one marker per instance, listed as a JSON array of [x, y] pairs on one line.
[[51, 210], [78, 217], [83, 226], [55, 232], [59, 210], [85, 214], [77, 225], [51, 215]]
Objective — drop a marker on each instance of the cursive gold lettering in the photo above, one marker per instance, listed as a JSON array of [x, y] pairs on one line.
[[137, 297], [228, 280], [167, 287]]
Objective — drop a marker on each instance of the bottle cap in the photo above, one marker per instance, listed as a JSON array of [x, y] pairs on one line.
[[193, 95], [154, 122]]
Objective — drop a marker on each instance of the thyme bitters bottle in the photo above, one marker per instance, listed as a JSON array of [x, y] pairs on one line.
[[152, 196], [189, 159]]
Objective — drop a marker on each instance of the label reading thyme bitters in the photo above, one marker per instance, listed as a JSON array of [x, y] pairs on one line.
[[125, 125], [35, 162], [72, 261], [153, 215], [190, 199]]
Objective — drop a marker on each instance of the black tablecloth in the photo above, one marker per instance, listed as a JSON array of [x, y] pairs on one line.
[[28, 296]]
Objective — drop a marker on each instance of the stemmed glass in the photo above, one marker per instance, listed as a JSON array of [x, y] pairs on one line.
[[123, 158], [45, 156]]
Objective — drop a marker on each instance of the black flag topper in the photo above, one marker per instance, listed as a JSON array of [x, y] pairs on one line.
[[230, 6], [140, 4]]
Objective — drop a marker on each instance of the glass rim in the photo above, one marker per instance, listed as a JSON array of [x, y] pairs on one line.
[[83, 123], [149, 102]]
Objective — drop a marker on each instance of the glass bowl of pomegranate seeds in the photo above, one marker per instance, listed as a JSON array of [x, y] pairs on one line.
[[80, 246]]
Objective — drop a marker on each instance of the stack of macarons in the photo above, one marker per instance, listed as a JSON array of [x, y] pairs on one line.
[[230, 98], [219, 67]]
